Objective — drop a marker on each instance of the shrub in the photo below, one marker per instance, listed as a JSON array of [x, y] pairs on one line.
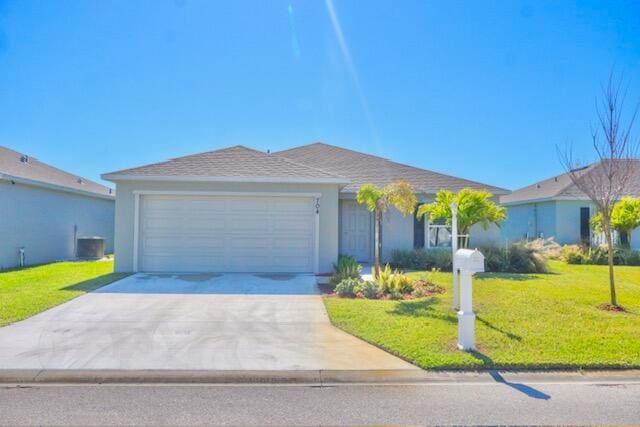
[[400, 283], [393, 282], [346, 268], [395, 295], [384, 278], [574, 254], [348, 287], [546, 247], [369, 290], [629, 257], [516, 258], [524, 259], [495, 259], [421, 259]]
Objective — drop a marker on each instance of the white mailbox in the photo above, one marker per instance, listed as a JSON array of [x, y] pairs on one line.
[[469, 261]]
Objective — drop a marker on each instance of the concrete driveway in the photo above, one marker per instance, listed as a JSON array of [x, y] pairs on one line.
[[191, 322]]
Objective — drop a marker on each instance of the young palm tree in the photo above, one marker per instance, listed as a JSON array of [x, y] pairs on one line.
[[474, 207], [399, 194]]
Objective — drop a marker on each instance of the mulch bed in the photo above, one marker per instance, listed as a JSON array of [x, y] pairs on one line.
[[611, 307]]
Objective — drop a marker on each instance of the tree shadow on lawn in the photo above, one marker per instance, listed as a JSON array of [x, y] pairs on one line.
[[422, 308], [96, 282]]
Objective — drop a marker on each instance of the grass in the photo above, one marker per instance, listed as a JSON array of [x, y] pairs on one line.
[[524, 321], [28, 291]]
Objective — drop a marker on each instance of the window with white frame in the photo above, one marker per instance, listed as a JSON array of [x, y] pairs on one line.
[[438, 235]]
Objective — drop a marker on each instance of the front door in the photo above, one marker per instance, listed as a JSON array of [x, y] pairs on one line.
[[356, 231]]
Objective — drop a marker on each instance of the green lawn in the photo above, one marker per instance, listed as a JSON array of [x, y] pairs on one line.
[[524, 321], [29, 291]]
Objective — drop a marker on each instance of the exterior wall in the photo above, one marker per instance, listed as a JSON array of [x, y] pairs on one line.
[[125, 202], [531, 220], [42, 221], [635, 239], [489, 237], [397, 233], [568, 220]]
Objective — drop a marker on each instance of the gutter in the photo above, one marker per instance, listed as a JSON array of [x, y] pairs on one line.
[[56, 187]]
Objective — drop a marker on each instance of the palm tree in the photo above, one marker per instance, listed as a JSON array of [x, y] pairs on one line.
[[399, 194], [474, 207]]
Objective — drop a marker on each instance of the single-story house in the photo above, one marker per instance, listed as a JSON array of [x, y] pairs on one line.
[[44, 210], [241, 210], [556, 208]]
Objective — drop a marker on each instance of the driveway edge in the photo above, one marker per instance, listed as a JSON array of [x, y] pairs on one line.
[[313, 377]]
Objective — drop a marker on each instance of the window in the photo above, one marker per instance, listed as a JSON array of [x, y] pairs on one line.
[[439, 235]]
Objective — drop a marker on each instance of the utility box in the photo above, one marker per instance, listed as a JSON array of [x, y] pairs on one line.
[[470, 261], [90, 247]]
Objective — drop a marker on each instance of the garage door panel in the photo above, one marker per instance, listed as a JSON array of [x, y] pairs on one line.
[[167, 243], [227, 234], [248, 224], [291, 244], [291, 225]]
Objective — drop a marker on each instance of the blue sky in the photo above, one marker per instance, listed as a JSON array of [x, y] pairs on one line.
[[482, 90]]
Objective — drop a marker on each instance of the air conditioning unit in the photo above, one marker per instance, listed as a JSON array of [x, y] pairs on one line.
[[90, 247]]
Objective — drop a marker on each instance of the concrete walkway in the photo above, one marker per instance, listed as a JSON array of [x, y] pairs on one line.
[[232, 322]]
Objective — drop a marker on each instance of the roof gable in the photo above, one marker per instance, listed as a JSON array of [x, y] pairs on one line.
[[16, 166], [362, 168], [233, 163]]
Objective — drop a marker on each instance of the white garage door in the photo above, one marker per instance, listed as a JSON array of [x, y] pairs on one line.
[[227, 234]]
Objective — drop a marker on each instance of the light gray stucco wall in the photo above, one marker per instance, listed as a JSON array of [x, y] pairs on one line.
[[42, 221], [397, 233], [492, 236], [125, 201], [635, 239], [530, 219], [568, 220]]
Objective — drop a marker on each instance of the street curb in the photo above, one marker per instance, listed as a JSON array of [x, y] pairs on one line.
[[312, 377]]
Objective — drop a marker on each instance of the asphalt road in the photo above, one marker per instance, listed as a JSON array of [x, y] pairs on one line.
[[450, 403]]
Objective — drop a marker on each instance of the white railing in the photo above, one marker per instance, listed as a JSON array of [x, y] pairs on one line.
[[599, 239]]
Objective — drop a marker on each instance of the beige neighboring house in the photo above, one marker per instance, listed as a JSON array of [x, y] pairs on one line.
[[44, 209], [241, 210]]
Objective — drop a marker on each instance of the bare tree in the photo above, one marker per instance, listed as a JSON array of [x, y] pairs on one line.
[[608, 180]]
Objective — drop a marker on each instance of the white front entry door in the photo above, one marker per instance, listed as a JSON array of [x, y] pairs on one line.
[[184, 233], [356, 230]]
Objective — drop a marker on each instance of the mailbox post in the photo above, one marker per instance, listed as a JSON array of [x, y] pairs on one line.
[[455, 300], [468, 262]]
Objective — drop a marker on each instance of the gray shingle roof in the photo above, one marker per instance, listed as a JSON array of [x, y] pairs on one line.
[[15, 165], [362, 168], [232, 162], [562, 187]]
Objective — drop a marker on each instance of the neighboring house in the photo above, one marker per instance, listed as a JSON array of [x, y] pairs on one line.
[[242, 210], [43, 210], [556, 208]]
